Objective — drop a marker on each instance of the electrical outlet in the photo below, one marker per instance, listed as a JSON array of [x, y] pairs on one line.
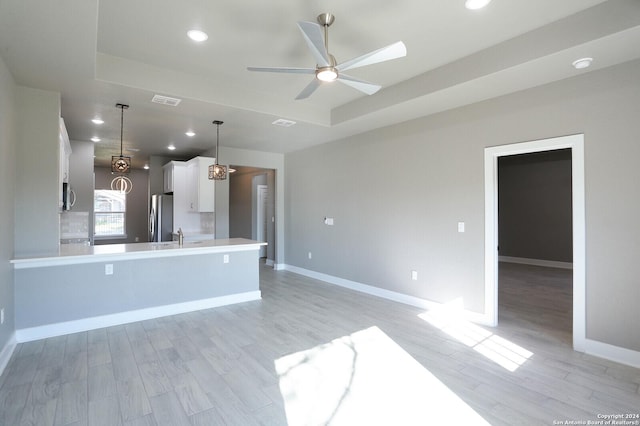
[[225, 258], [414, 275], [2, 316], [460, 226], [108, 269], [309, 255]]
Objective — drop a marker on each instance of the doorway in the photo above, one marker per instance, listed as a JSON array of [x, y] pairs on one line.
[[260, 227], [252, 207], [534, 240], [576, 144]]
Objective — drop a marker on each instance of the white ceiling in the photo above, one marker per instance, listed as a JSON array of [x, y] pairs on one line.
[[97, 54]]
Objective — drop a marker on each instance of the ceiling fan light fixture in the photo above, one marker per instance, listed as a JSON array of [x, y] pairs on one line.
[[327, 74]]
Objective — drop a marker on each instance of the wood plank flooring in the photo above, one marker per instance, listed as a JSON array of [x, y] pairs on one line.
[[218, 366]]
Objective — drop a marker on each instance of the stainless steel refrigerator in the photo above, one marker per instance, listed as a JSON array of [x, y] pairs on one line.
[[161, 218]]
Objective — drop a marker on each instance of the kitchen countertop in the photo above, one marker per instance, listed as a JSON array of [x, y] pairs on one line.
[[71, 254]]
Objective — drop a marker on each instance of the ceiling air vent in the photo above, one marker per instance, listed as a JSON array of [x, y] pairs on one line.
[[283, 123], [165, 100]]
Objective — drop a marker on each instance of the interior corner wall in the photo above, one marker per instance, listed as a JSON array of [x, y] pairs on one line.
[[534, 204], [137, 205], [8, 143], [397, 193], [37, 221]]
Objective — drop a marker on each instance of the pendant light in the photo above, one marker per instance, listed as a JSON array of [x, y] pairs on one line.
[[121, 164], [216, 171], [121, 183]]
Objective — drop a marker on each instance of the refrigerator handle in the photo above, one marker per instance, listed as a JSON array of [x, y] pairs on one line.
[[152, 225]]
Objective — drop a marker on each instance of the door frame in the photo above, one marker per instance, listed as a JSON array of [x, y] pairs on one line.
[[262, 193], [491, 154]]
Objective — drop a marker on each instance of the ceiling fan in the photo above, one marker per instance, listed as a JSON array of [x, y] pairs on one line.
[[327, 69]]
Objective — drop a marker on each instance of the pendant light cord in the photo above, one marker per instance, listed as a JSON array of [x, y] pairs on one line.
[[217, 123], [121, 127], [122, 108]]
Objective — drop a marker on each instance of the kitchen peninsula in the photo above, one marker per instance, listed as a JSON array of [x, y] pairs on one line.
[[86, 287]]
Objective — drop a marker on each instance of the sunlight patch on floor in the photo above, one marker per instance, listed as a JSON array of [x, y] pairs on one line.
[[366, 378], [499, 350]]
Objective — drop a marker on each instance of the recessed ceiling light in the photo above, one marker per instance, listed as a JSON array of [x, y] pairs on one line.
[[97, 121], [582, 63], [197, 35], [171, 147], [95, 139], [476, 4], [190, 134]]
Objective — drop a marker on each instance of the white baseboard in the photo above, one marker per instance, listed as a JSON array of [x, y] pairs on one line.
[[592, 347], [85, 324], [385, 294], [536, 262], [7, 351], [613, 353], [279, 266]]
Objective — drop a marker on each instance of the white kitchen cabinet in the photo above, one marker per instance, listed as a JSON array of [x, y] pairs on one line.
[[64, 150], [170, 176], [200, 190]]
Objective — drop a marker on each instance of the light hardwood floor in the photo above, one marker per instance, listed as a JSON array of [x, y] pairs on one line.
[[218, 366]]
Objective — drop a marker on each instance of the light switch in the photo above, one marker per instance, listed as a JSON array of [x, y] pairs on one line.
[[108, 269], [225, 258], [460, 226], [414, 275]]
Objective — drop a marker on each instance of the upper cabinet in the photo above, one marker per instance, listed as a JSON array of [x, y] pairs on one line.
[[171, 178], [65, 152], [200, 190]]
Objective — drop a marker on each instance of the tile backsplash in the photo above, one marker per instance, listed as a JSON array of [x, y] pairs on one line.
[[74, 225]]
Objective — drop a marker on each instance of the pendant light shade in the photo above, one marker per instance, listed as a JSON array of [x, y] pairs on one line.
[[216, 171], [121, 164]]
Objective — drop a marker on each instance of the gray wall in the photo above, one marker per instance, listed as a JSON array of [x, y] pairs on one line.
[[135, 284], [137, 204], [37, 222], [8, 143], [240, 204], [388, 223], [534, 204]]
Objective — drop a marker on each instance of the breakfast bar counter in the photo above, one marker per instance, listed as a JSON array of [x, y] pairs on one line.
[[69, 254], [87, 287]]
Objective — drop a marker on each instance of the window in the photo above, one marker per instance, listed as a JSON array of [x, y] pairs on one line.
[[110, 208]]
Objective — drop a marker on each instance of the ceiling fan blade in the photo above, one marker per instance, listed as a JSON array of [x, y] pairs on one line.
[[307, 91], [314, 37], [285, 70], [361, 85], [393, 51]]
